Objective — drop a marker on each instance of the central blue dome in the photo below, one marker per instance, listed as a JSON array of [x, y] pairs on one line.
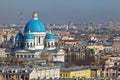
[[35, 26]]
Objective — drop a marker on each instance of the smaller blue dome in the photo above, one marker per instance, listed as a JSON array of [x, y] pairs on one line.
[[19, 36], [50, 36], [29, 36]]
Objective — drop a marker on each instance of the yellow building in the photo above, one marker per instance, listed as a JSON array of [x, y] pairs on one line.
[[97, 47], [70, 42], [80, 72]]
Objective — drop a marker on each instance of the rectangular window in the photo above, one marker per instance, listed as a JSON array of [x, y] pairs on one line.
[[106, 74], [60, 75], [63, 75], [113, 74], [3, 76], [107, 69]]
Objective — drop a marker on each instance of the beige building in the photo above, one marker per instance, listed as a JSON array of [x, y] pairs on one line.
[[110, 69], [116, 43], [27, 73], [96, 48], [14, 73], [2, 52], [46, 72]]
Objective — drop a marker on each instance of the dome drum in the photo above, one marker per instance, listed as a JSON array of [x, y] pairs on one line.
[[29, 37]]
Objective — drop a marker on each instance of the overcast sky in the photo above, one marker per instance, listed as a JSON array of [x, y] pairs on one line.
[[60, 11]]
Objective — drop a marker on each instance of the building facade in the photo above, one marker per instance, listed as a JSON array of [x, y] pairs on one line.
[[36, 40], [80, 72], [27, 73], [111, 69]]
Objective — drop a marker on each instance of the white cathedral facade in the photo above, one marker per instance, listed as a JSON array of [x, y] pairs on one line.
[[36, 40]]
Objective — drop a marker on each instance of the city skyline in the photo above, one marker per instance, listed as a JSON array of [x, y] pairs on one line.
[[60, 12]]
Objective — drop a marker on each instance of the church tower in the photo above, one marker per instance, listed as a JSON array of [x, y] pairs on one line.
[[37, 29]]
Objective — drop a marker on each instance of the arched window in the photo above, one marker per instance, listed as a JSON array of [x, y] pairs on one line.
[[25, 56], [29, 56], [48, 44], [27, 44], [31, 44], [52, 44], [21, 56], [32, 55], [39, 39], [18, 56]]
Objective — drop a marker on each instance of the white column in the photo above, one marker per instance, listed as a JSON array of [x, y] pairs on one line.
[[46, 44], [42, 40], [38, 40], [35, 40], [50, 43], [29, 44], [53, 43], [26, 44], [32, 44]]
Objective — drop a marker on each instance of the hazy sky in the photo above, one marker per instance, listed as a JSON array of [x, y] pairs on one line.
[[60, 11]]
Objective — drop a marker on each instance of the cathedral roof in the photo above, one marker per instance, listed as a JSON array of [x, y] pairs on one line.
[[35, 25], [19, 36], [29, 36], [50, 36]]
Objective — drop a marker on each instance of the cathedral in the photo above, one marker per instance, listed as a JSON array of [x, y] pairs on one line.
[[35, 40]]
